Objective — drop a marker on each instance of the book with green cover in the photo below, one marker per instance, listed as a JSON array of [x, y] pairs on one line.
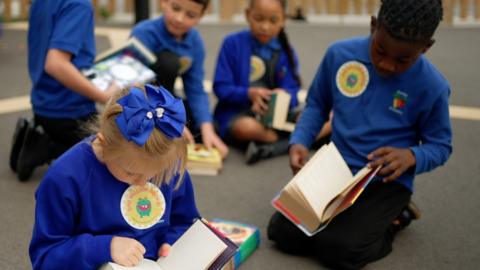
[[246, 237], [276, 116]]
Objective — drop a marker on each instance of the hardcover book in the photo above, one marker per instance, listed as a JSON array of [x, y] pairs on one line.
[[277, 114], [322, 189], [203, 161], [246, 237], [125, 65], [201, 247]]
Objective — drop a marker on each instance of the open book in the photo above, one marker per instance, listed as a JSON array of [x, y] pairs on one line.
[[200, 247], [126, 65], [201, 161], [276, 116], [322, 189]]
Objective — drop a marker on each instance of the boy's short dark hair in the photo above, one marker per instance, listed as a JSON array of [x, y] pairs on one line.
[[204, 3], [410, 20]]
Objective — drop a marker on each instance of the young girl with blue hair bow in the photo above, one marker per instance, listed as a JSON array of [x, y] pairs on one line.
[[122, 195]]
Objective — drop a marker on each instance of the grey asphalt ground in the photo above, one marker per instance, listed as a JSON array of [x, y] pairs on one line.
[[446, 237]]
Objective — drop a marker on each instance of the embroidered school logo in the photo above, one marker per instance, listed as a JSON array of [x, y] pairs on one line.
[[352, 78], [399, 101], [185, 64], [142, 206], [257, 68]]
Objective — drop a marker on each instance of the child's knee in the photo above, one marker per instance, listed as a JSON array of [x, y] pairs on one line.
[[287, 236]]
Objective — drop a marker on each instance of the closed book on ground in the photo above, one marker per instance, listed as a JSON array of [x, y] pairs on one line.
[[245, 236], [276, 116], [322, 189], [200, 247], [203, 161], [125, 65]]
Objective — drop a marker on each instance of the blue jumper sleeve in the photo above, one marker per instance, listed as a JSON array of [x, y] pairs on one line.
[[227, 89], [183, 211], [55, 243], [317, 109], [197, 98], [72, 27], [435, 136]]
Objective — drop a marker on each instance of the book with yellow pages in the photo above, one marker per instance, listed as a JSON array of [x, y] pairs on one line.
[[201, 247], [203, 161], [322, 189]]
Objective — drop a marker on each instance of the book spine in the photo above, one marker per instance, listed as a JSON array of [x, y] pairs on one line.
[[247, 248]]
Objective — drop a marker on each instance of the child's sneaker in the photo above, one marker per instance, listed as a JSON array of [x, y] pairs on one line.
[[17, 141], [34, 152], [253, 153], [409, 213]]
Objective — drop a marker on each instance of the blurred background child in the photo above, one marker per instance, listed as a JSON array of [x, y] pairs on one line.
[[61, 42], [253, 64], [180, 52]]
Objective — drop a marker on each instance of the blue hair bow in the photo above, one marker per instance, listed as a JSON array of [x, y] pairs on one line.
[[141, 114]]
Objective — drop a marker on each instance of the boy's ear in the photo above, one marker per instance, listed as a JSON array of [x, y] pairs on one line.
[[373, 24]]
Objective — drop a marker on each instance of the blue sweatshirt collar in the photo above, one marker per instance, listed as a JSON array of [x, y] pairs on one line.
[[265, 51]]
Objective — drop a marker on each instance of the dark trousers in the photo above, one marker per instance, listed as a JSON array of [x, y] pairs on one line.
[[361, 234], [63, 133]]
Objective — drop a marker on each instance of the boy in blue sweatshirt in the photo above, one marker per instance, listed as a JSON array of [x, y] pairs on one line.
[[180, 52], [61, 42], [390, 107]]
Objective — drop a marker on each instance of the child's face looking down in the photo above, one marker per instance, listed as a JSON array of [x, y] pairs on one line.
[[181, 16], [266, 18], [131, 169], [391, 56], [131, 166]]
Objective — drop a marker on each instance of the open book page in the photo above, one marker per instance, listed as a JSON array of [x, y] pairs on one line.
[[197, 249], [145, 264], [324, 178]]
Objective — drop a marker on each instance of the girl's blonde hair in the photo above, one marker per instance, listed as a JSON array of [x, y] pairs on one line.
[[169, 154]]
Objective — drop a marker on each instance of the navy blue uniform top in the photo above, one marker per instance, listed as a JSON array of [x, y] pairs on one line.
[[232, 73], [409, 110], [66, 25], [79, 208], [155, 36]]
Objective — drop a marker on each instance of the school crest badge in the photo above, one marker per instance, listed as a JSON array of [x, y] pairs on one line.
[[185, 64], [142, 206], [352, 78], [399, 101], [257, 68]]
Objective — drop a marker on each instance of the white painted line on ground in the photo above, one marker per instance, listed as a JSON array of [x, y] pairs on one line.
[[22, 103], [15, 104]]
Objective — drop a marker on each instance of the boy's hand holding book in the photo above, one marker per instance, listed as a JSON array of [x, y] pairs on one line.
[[298, 157], [395, 161]]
